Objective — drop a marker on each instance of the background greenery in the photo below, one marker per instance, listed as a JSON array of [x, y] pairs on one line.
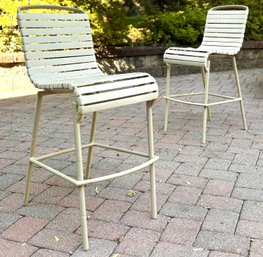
[[135, 22]]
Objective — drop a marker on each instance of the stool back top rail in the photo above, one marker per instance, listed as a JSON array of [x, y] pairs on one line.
[[60, 58]]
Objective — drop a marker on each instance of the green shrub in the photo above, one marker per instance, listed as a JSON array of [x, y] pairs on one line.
[[181, 28], [111, 26]]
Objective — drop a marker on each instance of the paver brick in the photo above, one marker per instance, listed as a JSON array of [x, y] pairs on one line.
[[223, 242], [11, 203], [98, 248], [7, 219], [8, 179], [143, 203], [247, 194], [52, 195], [172, 250], [111, 210], [219, 175], [221, 221], [252, 211], [191, 181], [184, 211], [223, 254], [181, 231], [58, 240], [49, 253], [256, 249], [219, 187], [15, 249], [138, 242], [185, 194], [24, 229], [219, 202], [250, 229], [72, 201], [139, 219], [106, 230], [44, 211], [68, 220]]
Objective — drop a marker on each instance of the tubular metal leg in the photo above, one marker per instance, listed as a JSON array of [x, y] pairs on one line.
[[239, 93], [151, 155], [206, 76], [166, 101], [33, 146], [92, 137], [203, 77], [83, 214]]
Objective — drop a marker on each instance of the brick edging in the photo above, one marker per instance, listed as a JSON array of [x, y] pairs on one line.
[[18, 58]]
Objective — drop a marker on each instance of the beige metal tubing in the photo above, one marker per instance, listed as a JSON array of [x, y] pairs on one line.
[[92, 137], [239, 93], [203, 77], [33, 146], [83, 214], [206, 79], [151, 155], [121, 149], [94, 180], [166, 102]]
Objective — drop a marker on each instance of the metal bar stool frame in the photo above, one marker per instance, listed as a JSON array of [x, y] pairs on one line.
[[223, 36], [60, 58]]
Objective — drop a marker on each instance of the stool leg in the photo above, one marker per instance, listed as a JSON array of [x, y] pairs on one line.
[[167, 94], [151, 155], [203, 77], [239, 93], [33, 146], [92, 137], [206, 76], [78, 150]]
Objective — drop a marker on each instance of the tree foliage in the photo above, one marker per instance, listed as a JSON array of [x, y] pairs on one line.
[[153, 22]]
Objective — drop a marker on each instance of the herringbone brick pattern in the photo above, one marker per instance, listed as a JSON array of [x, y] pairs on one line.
[[210, 197]]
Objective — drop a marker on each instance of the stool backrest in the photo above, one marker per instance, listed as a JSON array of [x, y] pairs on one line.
[[56, 40], [225, 28]]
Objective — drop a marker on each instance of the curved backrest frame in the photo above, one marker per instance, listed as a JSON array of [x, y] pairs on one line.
[[56, 40], [225, 28]]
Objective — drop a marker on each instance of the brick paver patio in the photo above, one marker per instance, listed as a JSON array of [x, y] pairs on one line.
[[210, 198]]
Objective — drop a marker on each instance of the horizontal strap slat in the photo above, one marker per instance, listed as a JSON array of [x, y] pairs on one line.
[[111, 86], [59, 61], [53, 24], [118, 94], [86, 79], [225, 21], [221, 44], [54, 54], [222, 25], [225, 15], [226, 31], [185, 58], [223, 40], [223, 35], [185, 52], [63, 78], [118, 102], [232, 12], [52, 16], [55, 31], [58, 38], [57, 46], [61, 68]]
